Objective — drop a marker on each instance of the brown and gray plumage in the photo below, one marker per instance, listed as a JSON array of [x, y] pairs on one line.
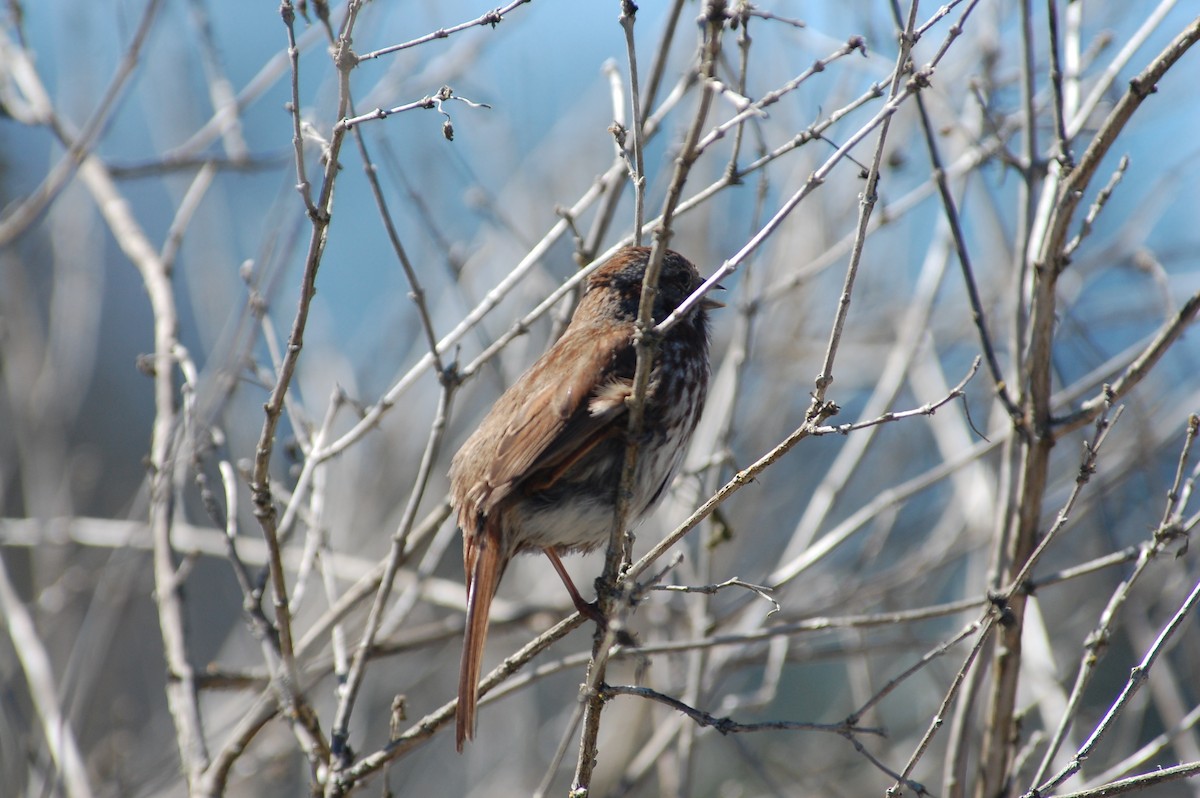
[[541, 471]]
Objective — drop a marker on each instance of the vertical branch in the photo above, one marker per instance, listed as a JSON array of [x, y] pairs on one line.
[[867, 199], [182, 700], [743, 41], [620, 544], [286, 677], [658, 68], [1023, 537], [1026, 459], [950, 210], [181, 677], [1065, 160], [627, 19]]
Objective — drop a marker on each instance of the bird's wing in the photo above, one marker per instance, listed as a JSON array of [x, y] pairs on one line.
[[568, 404]]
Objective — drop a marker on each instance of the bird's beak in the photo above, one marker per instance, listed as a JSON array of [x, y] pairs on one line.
[[708, 303]]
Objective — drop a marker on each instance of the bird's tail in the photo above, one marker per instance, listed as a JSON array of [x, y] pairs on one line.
[[484, 564]]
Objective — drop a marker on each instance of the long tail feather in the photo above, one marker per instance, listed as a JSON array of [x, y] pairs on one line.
[[484, 565]]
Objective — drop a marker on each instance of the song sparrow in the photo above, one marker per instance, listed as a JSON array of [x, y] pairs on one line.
[[541, 471]]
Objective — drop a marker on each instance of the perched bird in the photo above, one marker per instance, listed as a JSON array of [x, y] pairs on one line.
[[541, 471]]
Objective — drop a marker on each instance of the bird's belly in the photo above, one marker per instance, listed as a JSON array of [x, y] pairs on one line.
[[581, 524]]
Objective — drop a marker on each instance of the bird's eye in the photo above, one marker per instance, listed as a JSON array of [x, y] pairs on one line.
[[679, 280]]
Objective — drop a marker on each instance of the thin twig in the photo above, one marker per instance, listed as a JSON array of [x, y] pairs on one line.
[[319, 213], [762, 591], [1138, 783], [444, 94], [935, 722], [340, 731], [950, 208], [928, 409], [1150, 750], [1136, 371], [491, 18], [1085, 227], [1066, 161], [1137, 678], [1096, 642], [428, 725], [867, 198], [730, 726], [921, 662]]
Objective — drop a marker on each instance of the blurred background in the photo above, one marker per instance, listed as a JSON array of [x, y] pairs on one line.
[[148, 146]]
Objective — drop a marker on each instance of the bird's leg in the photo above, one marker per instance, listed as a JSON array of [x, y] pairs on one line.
[[587, 609]]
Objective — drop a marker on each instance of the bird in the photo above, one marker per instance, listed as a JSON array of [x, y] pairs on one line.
[[540, 472]]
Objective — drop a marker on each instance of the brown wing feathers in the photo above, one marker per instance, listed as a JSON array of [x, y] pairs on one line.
[[550, 428], [547, 429]]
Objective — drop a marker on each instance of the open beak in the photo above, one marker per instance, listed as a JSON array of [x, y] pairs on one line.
[[708, 303]]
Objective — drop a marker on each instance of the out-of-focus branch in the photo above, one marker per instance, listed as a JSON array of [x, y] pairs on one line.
[[18, 220], [39, 677], [1137, 370]]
